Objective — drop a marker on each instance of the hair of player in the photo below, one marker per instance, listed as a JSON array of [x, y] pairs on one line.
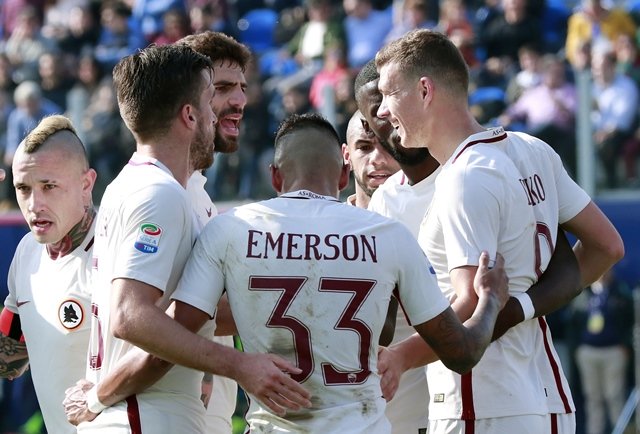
[[367, 74], [297, 122], [427, 53], [219, 47], [354, 128], [314, 155], [154, 83], [49, 127]]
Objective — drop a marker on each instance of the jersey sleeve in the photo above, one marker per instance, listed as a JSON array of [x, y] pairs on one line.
[[202, 281], [11, 299], [571, 197], [420, 296], [157, 221], [469, 210]]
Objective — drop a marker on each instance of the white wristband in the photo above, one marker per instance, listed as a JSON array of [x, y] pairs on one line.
[[526, 304], [93, 403]]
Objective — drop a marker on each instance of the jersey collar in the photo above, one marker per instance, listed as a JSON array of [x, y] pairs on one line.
[[492, 135], [306, 194]]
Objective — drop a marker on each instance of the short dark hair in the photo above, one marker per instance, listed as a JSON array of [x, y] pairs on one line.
[[367, 74], [425, 52], [307, 120], [218, 46], [152, 84]]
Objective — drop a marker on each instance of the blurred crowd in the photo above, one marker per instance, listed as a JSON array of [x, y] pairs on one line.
[[524, 57]]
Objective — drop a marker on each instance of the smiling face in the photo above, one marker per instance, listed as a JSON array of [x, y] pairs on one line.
[[372, 165], [401, 105], [228, 103], [53, 188], [369, 100]]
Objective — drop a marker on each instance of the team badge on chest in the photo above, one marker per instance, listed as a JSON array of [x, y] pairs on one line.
[[70, 314], [148, 238]]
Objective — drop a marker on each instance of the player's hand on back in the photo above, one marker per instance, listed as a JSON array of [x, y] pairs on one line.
[[491, 279], [390, 368], [75, 403], [2, 174], [266, 376]]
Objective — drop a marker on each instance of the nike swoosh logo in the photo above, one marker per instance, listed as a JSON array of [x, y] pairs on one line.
[[208, 212], [20, 303]]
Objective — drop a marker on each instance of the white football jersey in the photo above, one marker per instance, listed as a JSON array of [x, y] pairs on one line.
[[144, 232], [53, 300], [480, 204], [398, 200], [556, 198], [222, 403], [310, 279]]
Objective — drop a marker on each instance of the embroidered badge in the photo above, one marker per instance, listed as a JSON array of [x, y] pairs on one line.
[[148, 238], [438, 397], [70, 314]]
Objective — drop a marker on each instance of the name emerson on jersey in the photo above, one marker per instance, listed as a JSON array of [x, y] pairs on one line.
[[286, 245]]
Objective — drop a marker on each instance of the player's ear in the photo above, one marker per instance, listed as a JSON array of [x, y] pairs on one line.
[[88, 181], [187, 115], [426, 88], [345, 154], [344, 176], [276, 178]]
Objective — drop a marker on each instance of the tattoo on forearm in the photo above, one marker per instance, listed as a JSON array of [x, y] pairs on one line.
[[13, 357], [11, 347]]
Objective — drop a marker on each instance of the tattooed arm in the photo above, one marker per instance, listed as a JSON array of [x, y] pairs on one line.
[[14, 359]]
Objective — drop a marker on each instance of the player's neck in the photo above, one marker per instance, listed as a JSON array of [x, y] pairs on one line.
[[175, 158], [362, 198], [450, 138], [74, 237]]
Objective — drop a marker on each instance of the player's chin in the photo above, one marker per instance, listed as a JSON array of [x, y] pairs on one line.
[[226, 144]]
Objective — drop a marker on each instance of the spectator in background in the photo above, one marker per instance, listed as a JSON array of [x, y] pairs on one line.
[[511, 29], [628, 63], [107, 139], [89, 74], [333, 71], [211, 15], [175, 26], [147, 16], [118, 38], [414, 14], [615, 112], [54, 79], [627, 58], [366, 29], [454, 22], [253, 146], [82, 32], [6, 189], [30, 108], [529, 75], [547, 110], [598, 25], [601, 318], [26, 44], [11, 9], [7, 82], [310, 45]]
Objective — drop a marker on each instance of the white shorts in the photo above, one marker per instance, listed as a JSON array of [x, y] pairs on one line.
[[525, 424], [157, 414]]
